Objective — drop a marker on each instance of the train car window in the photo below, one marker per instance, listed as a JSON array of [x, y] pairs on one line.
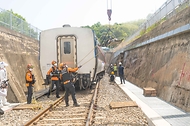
[[67, 47]]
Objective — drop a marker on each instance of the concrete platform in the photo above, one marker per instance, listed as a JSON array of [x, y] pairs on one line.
[[158, 112]]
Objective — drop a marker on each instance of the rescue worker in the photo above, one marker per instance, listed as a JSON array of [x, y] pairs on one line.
[[60, 69], [3, 84], [112, 77], [115, 69], [54, 74], [30, 80], [121, 73], [68, 83]]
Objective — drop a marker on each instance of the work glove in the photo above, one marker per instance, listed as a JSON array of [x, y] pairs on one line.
[[33, 81], [80, 66], [51, 74]]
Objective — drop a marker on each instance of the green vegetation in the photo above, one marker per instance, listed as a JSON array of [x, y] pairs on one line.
[[106, 34], [17, 22], [182, 7], [147, 30], [117, 31]]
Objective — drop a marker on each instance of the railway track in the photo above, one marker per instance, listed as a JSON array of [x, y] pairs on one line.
[[60, 115], [94, 110], [119, 116]]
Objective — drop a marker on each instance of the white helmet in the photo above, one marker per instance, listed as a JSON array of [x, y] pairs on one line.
[[120, 63]]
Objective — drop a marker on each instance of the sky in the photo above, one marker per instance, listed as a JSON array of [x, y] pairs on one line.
[[47, 14]]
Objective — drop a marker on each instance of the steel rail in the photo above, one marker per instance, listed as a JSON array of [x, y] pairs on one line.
[[90, 115], [58, 101]]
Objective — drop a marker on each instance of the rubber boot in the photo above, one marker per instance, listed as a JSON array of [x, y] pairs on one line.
[[76, 105], [67, 105], [1, 112]]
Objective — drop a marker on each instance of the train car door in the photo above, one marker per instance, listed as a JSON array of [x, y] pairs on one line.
[[66, 50]]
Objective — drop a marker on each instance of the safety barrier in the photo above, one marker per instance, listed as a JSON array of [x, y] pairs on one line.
[[167, 10], [8, 20]]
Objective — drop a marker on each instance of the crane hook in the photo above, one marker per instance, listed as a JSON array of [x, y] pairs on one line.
[[109, 9]]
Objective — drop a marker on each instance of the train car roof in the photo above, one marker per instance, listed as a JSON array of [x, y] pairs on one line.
[[66, 28]]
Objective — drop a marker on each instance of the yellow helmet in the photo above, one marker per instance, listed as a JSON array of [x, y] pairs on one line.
[[112, 73]]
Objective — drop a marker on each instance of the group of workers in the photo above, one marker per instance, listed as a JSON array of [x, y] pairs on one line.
[[62, 76], [117, 70], [30, 80], [58, 76]]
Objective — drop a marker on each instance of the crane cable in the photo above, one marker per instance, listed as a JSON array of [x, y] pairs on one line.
[[89, 60], [86, 55], [109, 12], [92, 57]]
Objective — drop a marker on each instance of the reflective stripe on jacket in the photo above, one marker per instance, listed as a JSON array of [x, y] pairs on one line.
[[51, 70]]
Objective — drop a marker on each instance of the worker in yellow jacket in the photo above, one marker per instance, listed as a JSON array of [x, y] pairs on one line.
[[115, 69]]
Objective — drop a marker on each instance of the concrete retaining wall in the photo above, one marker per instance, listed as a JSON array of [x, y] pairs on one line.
[[163, 65], [18, 50]]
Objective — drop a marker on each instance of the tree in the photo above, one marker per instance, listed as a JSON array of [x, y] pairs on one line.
[[117, 31]]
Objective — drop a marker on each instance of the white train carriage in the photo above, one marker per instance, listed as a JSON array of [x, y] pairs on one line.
[[74, 46]]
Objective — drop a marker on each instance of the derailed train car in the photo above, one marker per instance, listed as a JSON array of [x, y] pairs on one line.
[[74, 46]]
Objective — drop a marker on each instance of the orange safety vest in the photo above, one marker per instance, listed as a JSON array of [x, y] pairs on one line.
[[67, 77], [28, 78], [50, 71]]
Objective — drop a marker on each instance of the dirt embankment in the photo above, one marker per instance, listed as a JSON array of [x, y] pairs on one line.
[[18, 50], [163, 65]]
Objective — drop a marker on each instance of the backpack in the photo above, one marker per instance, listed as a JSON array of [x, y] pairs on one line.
[[55, 73], [65, 75]]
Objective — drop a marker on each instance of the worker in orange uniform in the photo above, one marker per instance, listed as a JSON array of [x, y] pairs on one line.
[[54, 74], [30, 80], [68, 83]]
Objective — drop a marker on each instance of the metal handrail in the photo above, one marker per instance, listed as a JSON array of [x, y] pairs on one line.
[[21, 26]]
